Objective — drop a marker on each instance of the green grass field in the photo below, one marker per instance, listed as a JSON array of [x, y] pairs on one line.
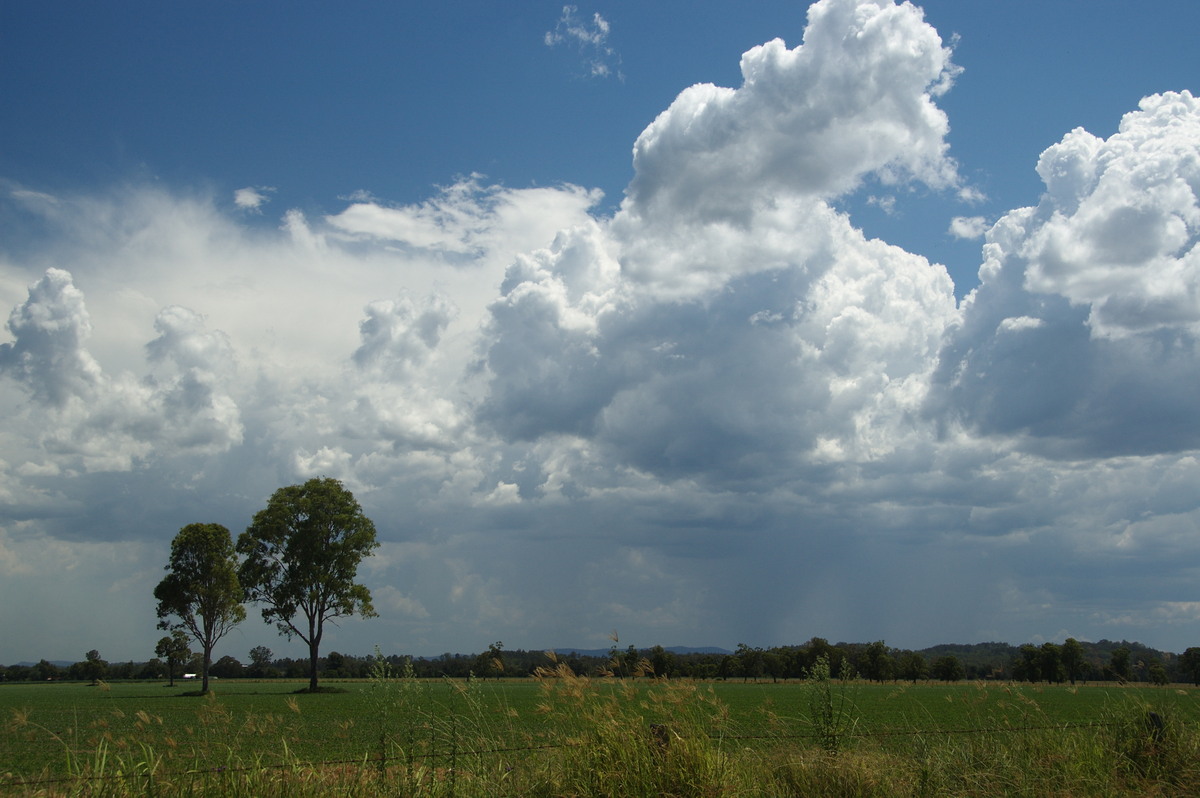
[[430, 727]]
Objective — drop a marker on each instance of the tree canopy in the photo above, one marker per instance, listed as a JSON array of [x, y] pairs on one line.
[[302, 554], [201, 594]]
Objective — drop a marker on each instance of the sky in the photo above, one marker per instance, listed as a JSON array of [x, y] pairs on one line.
[[698, 323]]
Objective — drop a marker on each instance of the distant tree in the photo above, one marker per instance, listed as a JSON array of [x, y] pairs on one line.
[[335, 666], [496, 654], [302, 556], [46, 671], [260, 662], [490, 662], [1119, 662], [774, 664], [1157, 673], [122, 670], [663, 662], [877, 664], [20, 673], [201, 593], [750, 661], [1073, 659], [1026, 666], [174, 649], [94, 668], [948, 668], [1189, 663], [912, 666], [227, 668], [153, 669], [818, 647], [795, 662], [632, 662], [1050, 662]]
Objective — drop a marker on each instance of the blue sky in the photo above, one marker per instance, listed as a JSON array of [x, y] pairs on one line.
[[320, 101], [597, 349]]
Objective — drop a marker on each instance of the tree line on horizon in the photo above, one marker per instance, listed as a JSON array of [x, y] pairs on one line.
[[1071, 661]]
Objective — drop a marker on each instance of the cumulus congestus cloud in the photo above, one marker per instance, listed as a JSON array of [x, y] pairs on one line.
[[101, 422], [722, 397], [856, 97], [727, 321], [1083, 332], [49, 354]]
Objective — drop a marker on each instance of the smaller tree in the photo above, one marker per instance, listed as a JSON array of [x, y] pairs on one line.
[[201, 593], [174, 649]]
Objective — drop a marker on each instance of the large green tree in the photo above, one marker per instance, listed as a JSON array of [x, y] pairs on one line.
[[302, 554], [201, 594]]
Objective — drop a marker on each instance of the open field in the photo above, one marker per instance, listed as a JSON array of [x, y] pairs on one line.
[[457, 738]]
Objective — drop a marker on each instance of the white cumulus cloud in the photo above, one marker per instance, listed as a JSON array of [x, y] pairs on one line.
[[968, 227], [252, 198]]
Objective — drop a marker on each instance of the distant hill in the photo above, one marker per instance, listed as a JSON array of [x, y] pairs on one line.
[[603, 652], [59, 663]]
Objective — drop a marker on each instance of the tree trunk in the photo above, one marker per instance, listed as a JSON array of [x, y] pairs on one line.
[[312, 666], [204, 671]]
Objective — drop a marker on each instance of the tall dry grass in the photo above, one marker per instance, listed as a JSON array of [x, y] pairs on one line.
[[614, 736]]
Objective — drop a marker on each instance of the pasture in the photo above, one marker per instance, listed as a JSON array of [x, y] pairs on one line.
[[565, 735]]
